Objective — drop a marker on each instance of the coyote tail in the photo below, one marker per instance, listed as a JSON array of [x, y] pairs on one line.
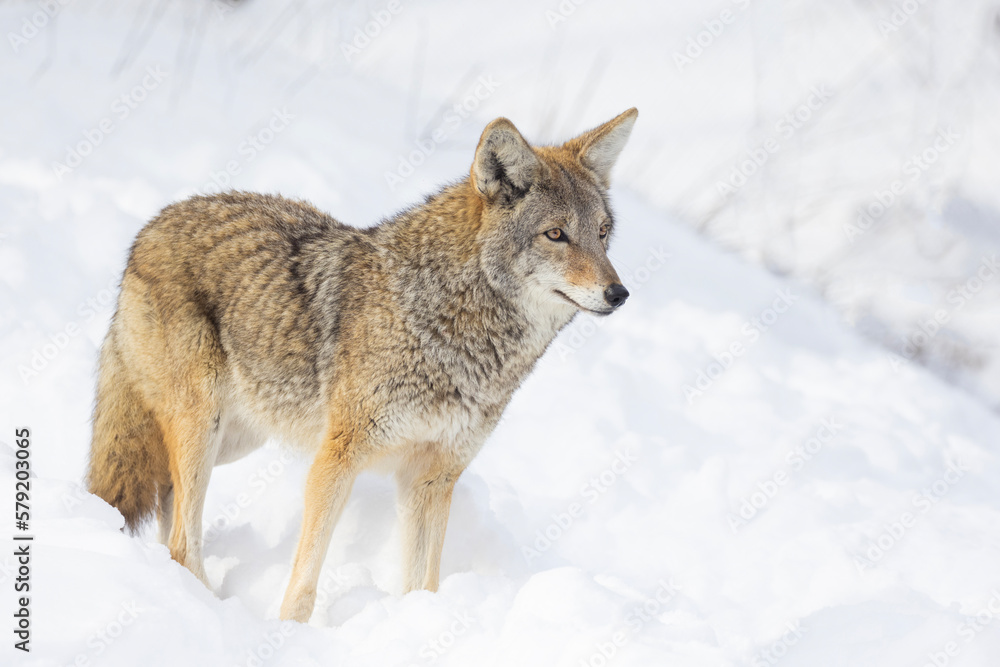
[[127, 454]]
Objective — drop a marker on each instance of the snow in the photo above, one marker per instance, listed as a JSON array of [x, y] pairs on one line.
[[744, 466]]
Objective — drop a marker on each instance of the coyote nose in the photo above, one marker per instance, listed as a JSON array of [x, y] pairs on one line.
[[615, 295]]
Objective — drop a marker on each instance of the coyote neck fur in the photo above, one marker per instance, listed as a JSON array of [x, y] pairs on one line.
[[468, 316]]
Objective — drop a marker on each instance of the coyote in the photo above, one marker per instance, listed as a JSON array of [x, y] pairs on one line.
[[245, 316]]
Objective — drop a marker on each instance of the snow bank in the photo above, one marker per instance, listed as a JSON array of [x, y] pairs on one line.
[[723, 473]]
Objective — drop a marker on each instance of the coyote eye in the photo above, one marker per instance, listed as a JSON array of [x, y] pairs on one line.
[[604, 231], [555, 234]]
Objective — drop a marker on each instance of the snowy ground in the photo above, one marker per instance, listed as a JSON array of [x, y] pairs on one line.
[[730, 471]]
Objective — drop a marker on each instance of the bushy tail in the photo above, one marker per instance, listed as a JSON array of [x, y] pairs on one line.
[[127, 455]]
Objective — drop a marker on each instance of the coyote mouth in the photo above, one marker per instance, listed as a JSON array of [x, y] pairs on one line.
[[589, 310]]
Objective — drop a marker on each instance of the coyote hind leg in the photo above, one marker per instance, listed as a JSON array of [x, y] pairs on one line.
[[187, 404], [165, 511], [192, 443]]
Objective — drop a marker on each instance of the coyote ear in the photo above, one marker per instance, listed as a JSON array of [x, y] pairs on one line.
[[505, 166], [598, 149]]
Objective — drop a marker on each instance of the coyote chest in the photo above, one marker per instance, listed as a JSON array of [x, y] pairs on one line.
[[453, 376], [475, 383]]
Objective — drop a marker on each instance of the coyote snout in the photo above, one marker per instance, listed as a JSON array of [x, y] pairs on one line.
[[245, 316], [587, 279], [615, 295]]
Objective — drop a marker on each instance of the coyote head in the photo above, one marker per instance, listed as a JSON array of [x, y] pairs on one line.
[[546, 218]]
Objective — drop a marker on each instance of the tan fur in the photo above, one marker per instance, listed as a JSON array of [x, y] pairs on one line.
[[128, 460], [244, 317]]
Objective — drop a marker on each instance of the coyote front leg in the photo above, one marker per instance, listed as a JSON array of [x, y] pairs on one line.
[[328, 487], [425, 486]]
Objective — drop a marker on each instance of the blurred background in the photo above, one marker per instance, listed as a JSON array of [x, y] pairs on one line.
[[851, 145], [844, 153]]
